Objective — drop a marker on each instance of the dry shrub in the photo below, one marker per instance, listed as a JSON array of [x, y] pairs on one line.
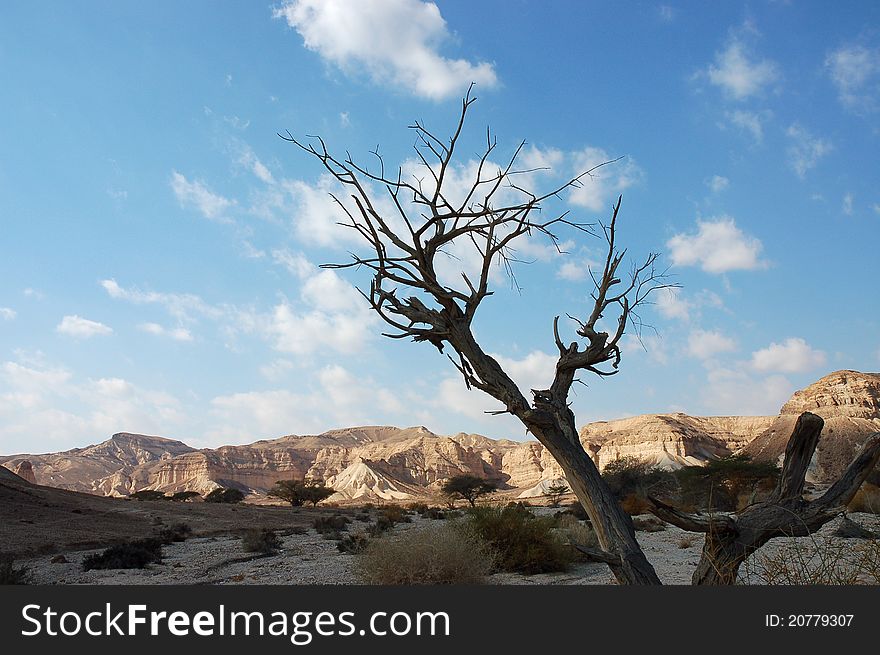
[[817, 561], [440, 554], [634, 505], [136, 554], [524, 543], [867, 499], [686, 541], [577, 532], [260, 541]]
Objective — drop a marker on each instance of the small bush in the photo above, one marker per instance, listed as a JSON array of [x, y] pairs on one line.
[[176, 533], [434, 513], [260, 541], [183, 496], [331, 524], [576, 510], [147, 494], [574, 532], [817, 561], [440, 554], [132, 555], [298, 529], [418, 508], [352, 543], [225, 495], [10, 574], [523, 542], [395, 514], [686, 541]]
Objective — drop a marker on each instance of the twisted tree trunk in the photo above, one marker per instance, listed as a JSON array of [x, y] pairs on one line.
[[730, 539]]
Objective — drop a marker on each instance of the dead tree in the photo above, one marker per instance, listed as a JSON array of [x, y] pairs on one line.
[[731, 538], [426, 222]]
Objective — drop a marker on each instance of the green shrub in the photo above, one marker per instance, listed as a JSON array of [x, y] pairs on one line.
[[522, 542], [300, 492], [132, 555], [260, 541], [443, 553], [10, 574], [726, 484], [632, 480], [147, 494], [225, 495], [183, 496]]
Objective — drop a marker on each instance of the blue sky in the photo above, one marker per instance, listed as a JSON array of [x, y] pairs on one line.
[[160, 244]]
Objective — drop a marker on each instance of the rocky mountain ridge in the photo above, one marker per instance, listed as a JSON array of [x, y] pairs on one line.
[[383, 462]]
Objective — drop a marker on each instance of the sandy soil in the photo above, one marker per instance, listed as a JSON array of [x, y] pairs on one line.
[[310, 559]]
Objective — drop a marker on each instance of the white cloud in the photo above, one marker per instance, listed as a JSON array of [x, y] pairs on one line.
[[718, 183], [82, 328], [734, 392], [751, 122], [598, 190], [666, 13], [855, 71], [793, 355], [7, 314], [276, 369], [805, 150], [295, 262], [717, 247], [671, 303], [178, 333], [705, 344], [738, 75], [847, 205], [196, 194], [250, 161], [395, 42], [182, 306]]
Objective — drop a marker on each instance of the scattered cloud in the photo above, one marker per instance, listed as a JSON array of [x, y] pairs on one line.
[[178, 333], [750, 122], [7, 314], [251, 162], [705, 344], [738, 74], [276, 369], [196, 194], [82, 328], [182, 306], [395, 42], [344, 119], [718, 246], [736, 392], [847, 205], [718, 183], [671, 303], [855, 71], [805, 150], [666, 13], [793, 355], [598, 190]]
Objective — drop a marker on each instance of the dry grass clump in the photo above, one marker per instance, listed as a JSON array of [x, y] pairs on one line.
[[686, 541], [260, 541], [442, 553], [819, 561], [577, 532]]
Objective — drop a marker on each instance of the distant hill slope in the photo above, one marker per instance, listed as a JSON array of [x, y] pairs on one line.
[[384, 462]]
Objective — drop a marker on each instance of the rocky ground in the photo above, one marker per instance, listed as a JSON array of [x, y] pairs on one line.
[[310, 559]]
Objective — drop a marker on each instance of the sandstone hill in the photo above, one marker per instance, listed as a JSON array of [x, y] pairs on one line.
[[381, 462]]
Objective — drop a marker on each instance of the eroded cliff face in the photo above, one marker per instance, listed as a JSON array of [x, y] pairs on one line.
[[849, 401], [397, 463]]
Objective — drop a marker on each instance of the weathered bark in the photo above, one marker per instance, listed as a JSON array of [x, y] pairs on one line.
[[731, 539]]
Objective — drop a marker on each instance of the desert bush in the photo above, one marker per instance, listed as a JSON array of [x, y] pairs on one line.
[[434, 513], [147, 494], [867, 499], [395, 514], [364, 517], [816, 561], [352, 543], [468, 487], [131, 555], [522, 542], [225, 495], [574, 532], [260, 541], [555, 492], [726, 484], [443, 553], [177, 532], [418, 508], [299, 529], [648, 524], [11, 574], [183, 496], [632, 480], [686, 541], [576, 510], [334, 523]]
